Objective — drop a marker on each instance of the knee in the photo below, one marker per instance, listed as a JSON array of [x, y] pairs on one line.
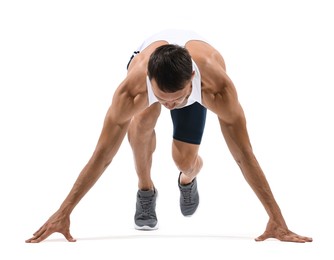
[[144, 123], [136, 126], [189, 164]]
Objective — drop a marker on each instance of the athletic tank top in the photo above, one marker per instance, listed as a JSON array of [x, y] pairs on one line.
[[179, 37]]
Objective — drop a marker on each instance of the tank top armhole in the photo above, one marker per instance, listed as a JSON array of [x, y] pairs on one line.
[[151, 97]]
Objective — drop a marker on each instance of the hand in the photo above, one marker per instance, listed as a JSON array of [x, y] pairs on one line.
[[282, 233], [56, 223]]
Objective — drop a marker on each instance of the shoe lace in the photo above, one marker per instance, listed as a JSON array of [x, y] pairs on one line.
[[186, 194], [146, 205]]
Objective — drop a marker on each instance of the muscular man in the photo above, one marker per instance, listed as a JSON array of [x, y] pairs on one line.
[[182, 72]]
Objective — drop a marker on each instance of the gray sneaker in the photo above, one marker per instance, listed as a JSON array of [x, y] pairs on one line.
[[189, 198], [145, 216]]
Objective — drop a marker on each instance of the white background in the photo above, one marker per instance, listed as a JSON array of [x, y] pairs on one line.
[[60, 62]]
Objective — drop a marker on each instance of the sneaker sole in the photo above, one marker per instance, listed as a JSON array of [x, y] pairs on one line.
[[146, 227]]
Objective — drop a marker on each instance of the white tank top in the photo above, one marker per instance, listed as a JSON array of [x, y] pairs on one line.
[[179, 37]]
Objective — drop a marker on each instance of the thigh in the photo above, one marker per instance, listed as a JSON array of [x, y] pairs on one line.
[[189, 123]]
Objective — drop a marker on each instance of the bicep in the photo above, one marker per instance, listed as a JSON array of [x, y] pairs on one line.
[[226, 105], [220, 96]]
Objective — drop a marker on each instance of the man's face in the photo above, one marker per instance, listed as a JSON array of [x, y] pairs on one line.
[[172, 100]]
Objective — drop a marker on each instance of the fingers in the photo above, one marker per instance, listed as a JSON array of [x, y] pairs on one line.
[[285, 238], [69, 237], [260, 238], [35, 234], [296, 238], [44, 233], [38, 236], [308, 239], [263, 237], [40, 231], [35, 239]]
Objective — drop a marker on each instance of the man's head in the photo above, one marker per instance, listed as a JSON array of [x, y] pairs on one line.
[[170, 72], [171, 67]]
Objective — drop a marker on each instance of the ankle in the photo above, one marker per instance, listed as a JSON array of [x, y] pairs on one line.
[[184, 179], [145, 186]]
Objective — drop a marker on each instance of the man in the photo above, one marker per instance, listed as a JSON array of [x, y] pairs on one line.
[[181, 71]]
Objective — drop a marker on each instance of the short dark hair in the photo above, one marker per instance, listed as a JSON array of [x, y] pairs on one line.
[[171, 67]]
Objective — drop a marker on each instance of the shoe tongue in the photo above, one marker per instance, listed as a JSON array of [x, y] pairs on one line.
[[146, 193], [188, 185]]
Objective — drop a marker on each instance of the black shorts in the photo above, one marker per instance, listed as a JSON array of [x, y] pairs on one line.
[[189, 123]]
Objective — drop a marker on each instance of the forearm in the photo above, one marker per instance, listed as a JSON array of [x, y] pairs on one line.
[[237, 139], [107, 147], [256, 179], [85, 181]]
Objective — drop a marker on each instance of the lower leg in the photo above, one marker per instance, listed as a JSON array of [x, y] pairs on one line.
[[189, 163], [188, 174], [187, 160], [143, 148], [142, 140]]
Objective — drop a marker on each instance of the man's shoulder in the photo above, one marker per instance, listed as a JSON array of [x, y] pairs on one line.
[[135, 81], [204, 55], [137, 74]]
